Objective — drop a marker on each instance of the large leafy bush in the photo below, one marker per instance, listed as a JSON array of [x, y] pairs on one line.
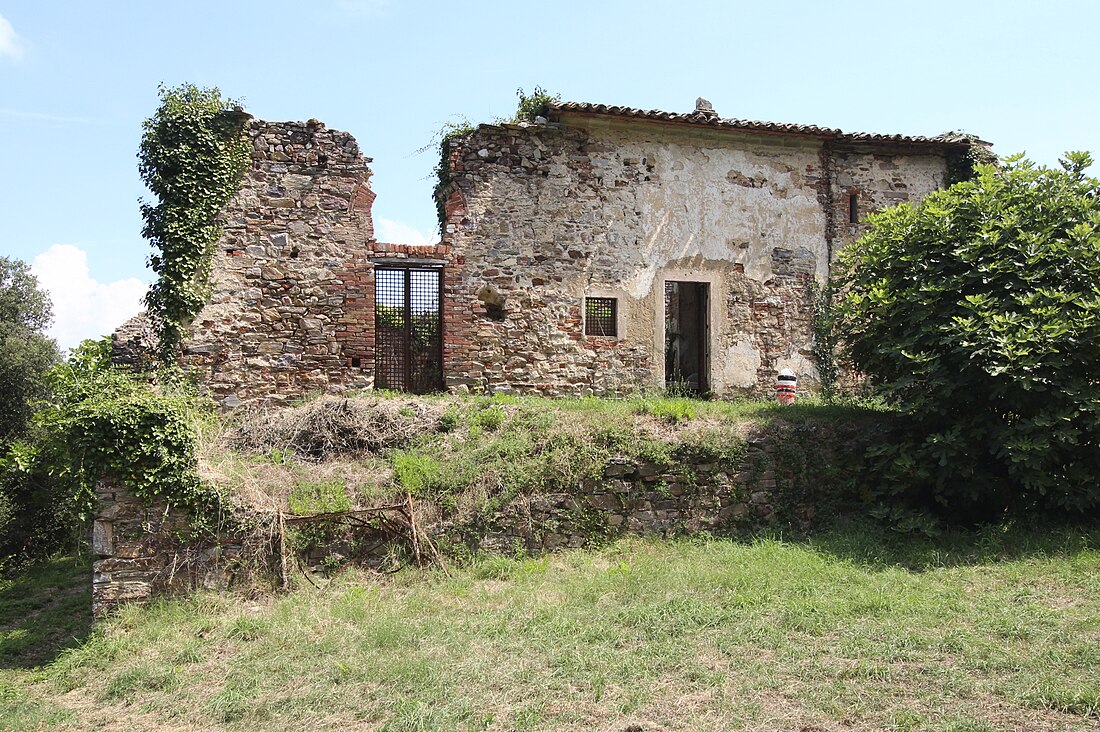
[[978, 313]]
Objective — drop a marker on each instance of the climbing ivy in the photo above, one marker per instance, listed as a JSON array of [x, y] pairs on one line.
[[528, 108], [823, 321], [103, 422], [192, 157]]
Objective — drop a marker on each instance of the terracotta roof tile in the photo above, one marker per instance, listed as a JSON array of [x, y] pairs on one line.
[[710, 120]]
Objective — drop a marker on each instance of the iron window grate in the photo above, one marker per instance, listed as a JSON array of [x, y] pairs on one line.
[[599, 316]]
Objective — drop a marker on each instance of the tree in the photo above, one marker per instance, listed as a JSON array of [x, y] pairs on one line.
[[25, 353], [977, 312]]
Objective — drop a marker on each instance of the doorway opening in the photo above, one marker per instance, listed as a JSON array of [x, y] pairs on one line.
[[408, 333], [687, 349]]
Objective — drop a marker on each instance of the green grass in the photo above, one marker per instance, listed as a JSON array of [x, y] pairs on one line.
[[494, 448], [853, 628]]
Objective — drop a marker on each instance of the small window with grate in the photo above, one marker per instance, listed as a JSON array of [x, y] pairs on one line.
[[599, 317]]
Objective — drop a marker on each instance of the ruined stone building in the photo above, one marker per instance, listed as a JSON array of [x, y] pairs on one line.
[[600, 250]]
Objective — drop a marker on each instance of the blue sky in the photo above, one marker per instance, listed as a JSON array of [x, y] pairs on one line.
[[77, 79]]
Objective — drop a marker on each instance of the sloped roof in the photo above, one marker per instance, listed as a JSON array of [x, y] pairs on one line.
[[711, 119]]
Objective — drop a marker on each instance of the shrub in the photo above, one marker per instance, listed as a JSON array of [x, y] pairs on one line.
[[978, 313], [99, 422]]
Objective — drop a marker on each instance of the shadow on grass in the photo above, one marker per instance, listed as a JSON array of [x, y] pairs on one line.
[[44, 609], [872, 544]]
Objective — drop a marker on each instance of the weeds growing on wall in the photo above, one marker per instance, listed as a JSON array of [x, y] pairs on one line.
[[823, 323], [529, 107], [443, 137], [192, 156], [535, 104]]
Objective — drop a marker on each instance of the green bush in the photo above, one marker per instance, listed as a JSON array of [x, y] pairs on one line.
[[978, 313], [99, 422]]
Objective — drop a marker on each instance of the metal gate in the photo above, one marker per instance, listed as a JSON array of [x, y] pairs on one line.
[[408, 329]]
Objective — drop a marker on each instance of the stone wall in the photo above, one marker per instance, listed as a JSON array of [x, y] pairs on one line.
[[292, 309], [545, 215], [785, 475], [539, 217], [146, 549]]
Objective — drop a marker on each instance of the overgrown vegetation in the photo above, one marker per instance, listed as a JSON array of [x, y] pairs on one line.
[[472, 455], [193, 154], [535, 104], [101, 422], [26, 355], [978, 314], [855, 628], [962, 165], [823, 325]]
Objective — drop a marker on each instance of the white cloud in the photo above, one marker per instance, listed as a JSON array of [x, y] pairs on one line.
[[10, 44], [395, 232], [82, 307]]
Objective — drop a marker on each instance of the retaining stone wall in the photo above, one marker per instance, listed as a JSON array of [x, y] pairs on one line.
[[787, 476], [144, 549]]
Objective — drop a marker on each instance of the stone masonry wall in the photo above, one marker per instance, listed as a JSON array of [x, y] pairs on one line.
[[145, 549], [539, 217], [545, 215], [292, 310], [787, 475]]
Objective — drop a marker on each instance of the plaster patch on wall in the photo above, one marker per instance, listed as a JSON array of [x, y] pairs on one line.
[[740, 363], [802, 366]]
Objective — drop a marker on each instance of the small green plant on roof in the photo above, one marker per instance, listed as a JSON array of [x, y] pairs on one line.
[[192, 156], [535, 104]]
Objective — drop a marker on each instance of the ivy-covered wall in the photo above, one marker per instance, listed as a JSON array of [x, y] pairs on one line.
[[292, 306]]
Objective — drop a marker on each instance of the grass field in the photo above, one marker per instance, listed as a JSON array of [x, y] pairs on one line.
[[853, 629]]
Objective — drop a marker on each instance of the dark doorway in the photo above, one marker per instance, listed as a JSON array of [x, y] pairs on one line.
[[408, 334], [686, 337]]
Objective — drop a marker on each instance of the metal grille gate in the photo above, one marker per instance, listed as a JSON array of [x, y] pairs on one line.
[[408, 329]]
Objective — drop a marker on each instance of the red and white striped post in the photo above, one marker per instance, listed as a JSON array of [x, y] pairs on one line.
[[786, 386]]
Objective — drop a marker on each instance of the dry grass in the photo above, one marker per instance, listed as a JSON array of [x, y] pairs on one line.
[[333, 426], [262, 455]]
